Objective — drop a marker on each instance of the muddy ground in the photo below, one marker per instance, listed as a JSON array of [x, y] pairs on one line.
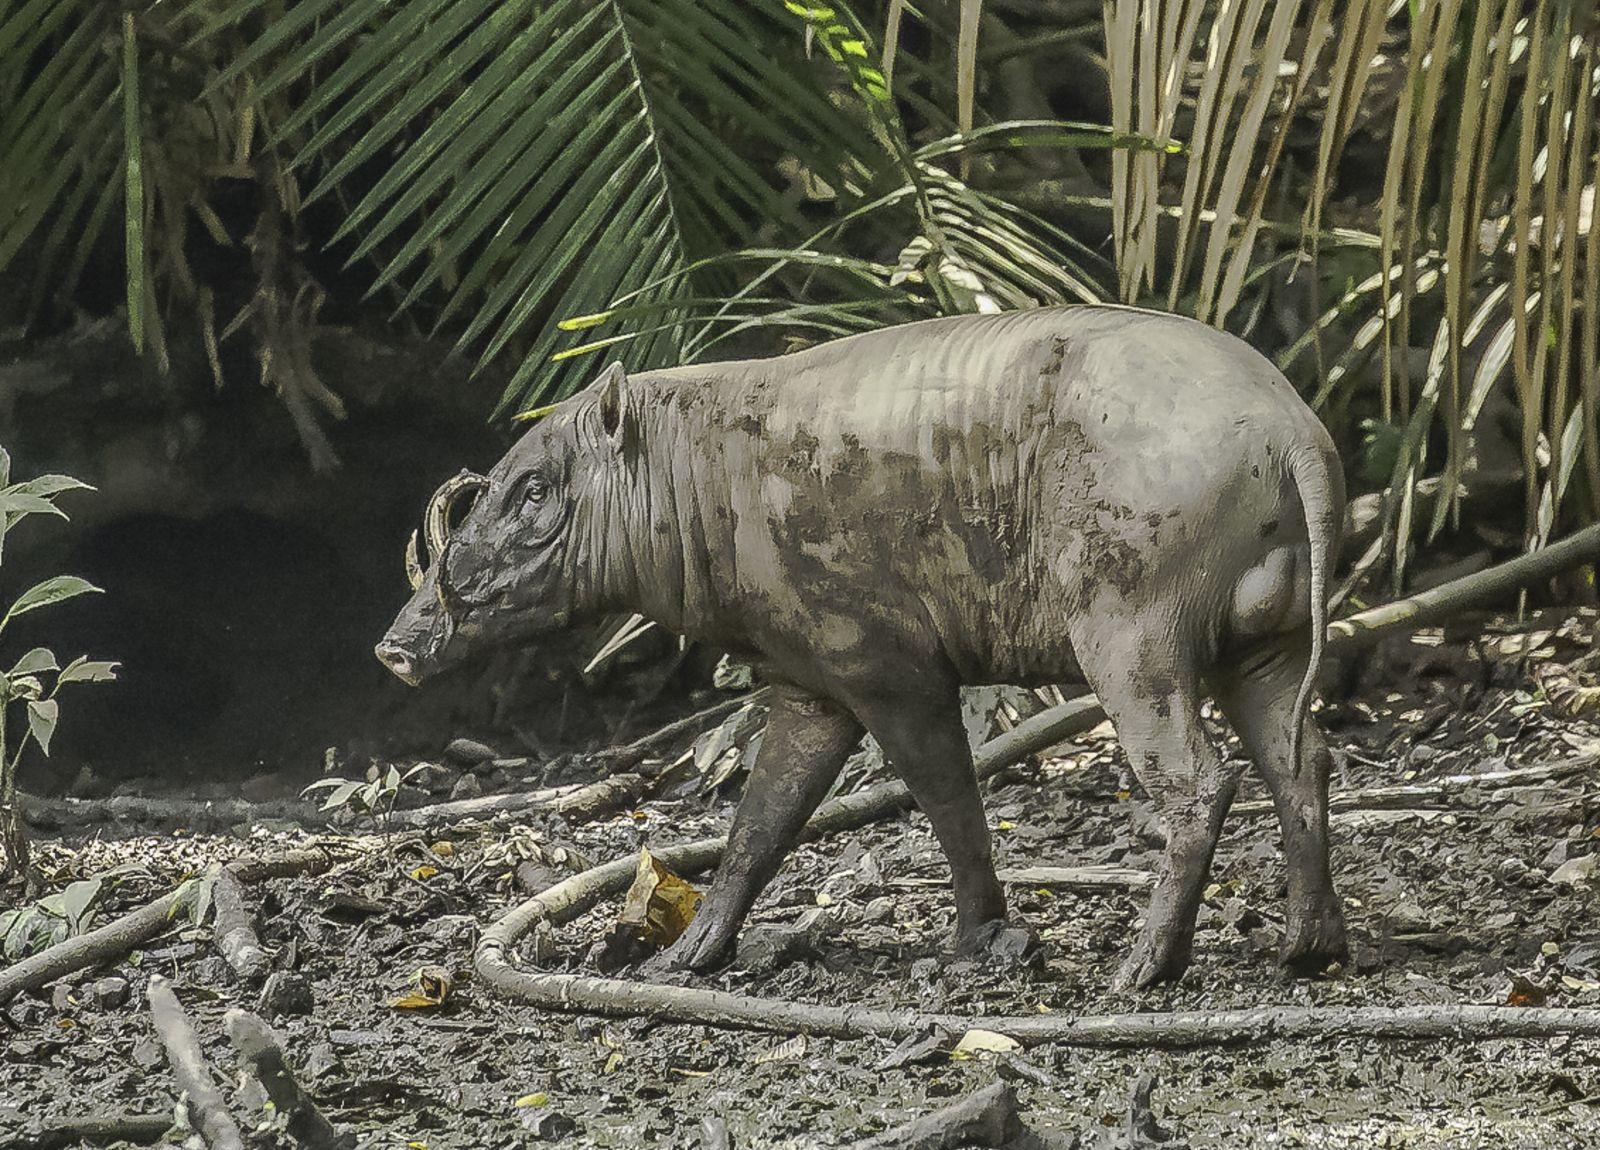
[[1450, 899]]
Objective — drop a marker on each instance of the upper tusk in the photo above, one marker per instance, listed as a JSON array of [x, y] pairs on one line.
[[413, 563], [436, 523]]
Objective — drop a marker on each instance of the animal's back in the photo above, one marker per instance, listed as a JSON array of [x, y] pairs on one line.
[[978, 482]]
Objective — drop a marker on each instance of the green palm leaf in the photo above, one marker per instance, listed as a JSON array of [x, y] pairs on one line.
[[510, 163]]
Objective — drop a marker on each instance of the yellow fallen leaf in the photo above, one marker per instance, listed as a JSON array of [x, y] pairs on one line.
[[430, 987], [659, 904], [539, 1098], [1006, 824], [978, 1041], [613, 1062], [443, 848], [687, 1073], [788, 1049], [423, 871]]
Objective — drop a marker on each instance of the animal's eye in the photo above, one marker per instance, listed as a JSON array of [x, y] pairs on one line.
[[537, 489]]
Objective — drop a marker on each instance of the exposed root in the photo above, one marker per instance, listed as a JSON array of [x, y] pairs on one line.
[[207, 1112], [192, 814]]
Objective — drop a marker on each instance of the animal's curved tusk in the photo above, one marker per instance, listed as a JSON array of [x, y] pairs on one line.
[[413, 563], [436, 522]]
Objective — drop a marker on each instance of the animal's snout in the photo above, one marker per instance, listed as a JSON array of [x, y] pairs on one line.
[[398, 661]]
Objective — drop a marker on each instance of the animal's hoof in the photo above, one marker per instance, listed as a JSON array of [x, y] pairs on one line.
[[696, 951], [1314, 942], [1150, 965], [1001, 941]]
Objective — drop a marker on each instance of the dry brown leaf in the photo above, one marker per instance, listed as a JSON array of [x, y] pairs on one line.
[[1571, 695], [430, 987], [659, 904]]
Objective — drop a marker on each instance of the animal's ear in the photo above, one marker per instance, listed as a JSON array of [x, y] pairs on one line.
[[617, 416]]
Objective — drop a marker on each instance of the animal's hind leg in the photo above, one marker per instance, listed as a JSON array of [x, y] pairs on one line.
[[1147, 683], [1258, 699]]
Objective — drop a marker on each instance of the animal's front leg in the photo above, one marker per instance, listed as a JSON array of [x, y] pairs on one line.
[[806, 742]]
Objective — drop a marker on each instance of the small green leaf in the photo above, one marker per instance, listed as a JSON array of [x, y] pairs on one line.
[[49, 486], [38, 659], [15, 501], [77, 899], [56, 590], [42, 715], [81, 670], [341, 795]]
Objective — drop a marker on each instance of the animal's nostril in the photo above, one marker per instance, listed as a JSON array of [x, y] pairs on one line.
[[397, 661]]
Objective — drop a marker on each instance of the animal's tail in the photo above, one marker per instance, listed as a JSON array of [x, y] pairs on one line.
[[1320, 486]]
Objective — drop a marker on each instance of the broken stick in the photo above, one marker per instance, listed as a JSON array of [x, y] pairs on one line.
[[207, 1112], [233, 931], [262, 1055], [986, 1118]]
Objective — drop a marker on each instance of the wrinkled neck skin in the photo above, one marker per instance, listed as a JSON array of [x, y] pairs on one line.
[[645, 524]]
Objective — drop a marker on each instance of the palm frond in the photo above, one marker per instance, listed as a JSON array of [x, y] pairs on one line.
[[521, 162]]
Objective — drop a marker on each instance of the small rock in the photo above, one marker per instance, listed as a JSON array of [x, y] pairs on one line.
[[321, 1061], [109, 993], [1558, 855], [286, 993], [1511, 870], [435, 778], [469, 752], [147, 1053], [449, 928], [547, 1125], [466, 787], [355, 1038], [62, 998], [1575, 872], [763, 948], [1409, 918], [880, 909]]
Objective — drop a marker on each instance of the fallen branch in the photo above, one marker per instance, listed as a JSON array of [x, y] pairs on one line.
[[207, 1112], [572, 801], [628, 757], [457, 810], [1469, 591], [59, 1133], [233, 931], [193, 814], [1079, 877], [1439, 790], [138, 926], [262, 1055], [986, 1118]]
